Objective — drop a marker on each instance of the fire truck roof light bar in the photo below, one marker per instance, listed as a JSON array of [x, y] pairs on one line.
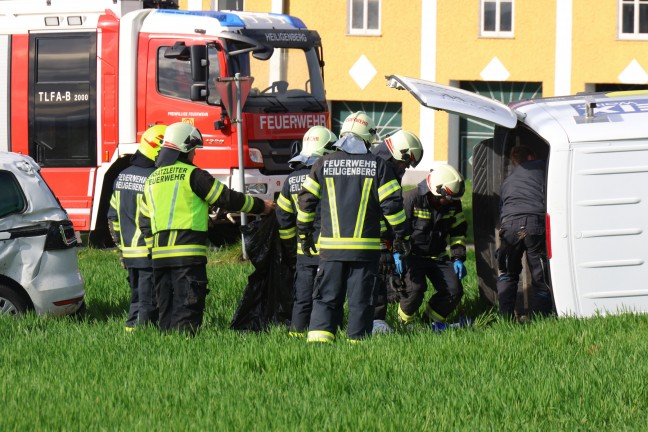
[[224, 18]]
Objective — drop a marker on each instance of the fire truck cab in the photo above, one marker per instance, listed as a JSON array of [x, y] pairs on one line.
[[81, 81]]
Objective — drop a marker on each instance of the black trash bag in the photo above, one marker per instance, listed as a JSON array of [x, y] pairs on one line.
[[268, 296]]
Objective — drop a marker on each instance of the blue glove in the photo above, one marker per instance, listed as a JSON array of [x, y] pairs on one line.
[[460, 269], [398, 264]]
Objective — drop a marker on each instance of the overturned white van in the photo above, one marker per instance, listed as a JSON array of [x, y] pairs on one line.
[[596, 148]]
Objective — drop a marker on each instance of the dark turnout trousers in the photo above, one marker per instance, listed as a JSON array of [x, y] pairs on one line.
[[335, 281], [181, 295]]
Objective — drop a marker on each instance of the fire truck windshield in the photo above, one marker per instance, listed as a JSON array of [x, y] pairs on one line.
[[289, 81]]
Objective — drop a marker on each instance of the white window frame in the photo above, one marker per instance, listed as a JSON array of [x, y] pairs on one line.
[[364, 31], [497, 33], [635, 35]]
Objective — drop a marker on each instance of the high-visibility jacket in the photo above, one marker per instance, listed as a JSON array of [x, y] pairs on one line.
[[175, 214], [356, 191], [125, 209], [286, 212], [433, 229]]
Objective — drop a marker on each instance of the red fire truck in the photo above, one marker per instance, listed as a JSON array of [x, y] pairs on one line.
[[80, 81]]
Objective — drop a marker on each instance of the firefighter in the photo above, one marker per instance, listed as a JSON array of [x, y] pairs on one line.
[[174, 219], [436, 217], [522, 229], [356, 189], [401, 150], [123, 214], [317, 142]]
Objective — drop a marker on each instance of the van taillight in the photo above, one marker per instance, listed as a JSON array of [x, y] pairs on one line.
[[60, 235], [548, 231]]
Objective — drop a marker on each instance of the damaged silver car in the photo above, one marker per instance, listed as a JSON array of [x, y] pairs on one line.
[[38, 260]]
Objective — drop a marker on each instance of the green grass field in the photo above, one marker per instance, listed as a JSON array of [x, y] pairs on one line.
[[554, 374]]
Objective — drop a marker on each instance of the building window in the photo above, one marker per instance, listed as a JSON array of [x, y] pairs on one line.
[[633, 19], [497, 18], [235, 5], [387, 116], [364, 17]]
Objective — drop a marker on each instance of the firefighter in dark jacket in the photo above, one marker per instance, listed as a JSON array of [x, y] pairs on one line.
[[356, 189], [123, 214], [436, 218], [522, 229], [317, 142], [174, 219], [401, 150]]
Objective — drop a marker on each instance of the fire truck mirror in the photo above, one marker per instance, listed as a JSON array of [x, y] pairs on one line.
[[198, 92], [264, 53], [199, 63], [178, 51]]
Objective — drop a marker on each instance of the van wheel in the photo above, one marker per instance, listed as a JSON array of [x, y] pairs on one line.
[[11, 303]]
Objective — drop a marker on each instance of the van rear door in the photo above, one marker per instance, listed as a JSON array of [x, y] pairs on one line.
[[455, 101]]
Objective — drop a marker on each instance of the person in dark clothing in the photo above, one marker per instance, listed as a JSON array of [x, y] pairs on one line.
[[522, 229], [318, 141], [401, 150], [174, 221], [356, 190], [124, 211], [437, 221]]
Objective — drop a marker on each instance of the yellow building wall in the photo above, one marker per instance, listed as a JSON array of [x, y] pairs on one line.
[[462, 54], [599, 56], [396, 51]]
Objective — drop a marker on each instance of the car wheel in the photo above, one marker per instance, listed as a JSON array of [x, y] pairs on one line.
[[11, 303]]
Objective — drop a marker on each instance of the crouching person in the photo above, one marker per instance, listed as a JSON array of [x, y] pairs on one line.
[[436, 217]]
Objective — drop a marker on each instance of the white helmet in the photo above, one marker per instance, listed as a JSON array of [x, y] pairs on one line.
[[405, 146], [445, 181], [317, 141], [182, 137], [360, 124]]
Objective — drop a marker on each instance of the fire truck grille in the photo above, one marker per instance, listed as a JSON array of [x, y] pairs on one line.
[[276, 154]]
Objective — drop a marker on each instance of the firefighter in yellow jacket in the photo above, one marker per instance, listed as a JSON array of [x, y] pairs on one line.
[[356, 189], [174, 219]]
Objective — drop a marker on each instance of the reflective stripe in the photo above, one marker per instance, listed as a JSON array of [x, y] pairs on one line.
[[458, 241], [422, 214], [176, 251], [288, 233], [362, 208], [284, 204], [296, 334], [135, 252], [116, 225], [383, 226], [138, 210], [396, 218], [349, 243], [387, 189], [312, 186], [430, 313], [305, 217], [459, 219], [249, 204], [215, 192], [173, 201], [356, 341], [335, 224], [148, 241], [404, 317], [320, 336]]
